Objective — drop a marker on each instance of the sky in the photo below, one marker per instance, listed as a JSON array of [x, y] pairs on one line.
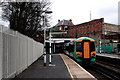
[[5, 23], [79, 10]]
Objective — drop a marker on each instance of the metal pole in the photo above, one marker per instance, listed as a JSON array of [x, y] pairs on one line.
[[50, 49], [44, 54], [104, 44], [100, 46], [104, 40], [90, 15], [54, 47], [44, 42]]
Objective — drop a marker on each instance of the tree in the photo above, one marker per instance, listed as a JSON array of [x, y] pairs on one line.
[[26, 17]]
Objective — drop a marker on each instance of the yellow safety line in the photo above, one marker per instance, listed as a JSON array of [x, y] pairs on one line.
[[68, 69]]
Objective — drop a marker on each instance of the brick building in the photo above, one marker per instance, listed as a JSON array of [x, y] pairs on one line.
[[96, 29], [86, 29]]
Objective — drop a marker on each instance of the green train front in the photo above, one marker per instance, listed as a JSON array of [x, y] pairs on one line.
[[83, 50]]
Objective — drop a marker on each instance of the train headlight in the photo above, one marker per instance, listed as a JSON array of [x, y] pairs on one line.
[[79, 54], [92, 54]]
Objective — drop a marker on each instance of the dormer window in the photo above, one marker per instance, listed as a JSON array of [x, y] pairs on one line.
[[65, 28]]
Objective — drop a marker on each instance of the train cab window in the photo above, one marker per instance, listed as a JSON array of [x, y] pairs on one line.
[[92, 46], [78, 47]]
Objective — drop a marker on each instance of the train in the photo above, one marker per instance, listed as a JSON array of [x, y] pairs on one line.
[[83, 50]]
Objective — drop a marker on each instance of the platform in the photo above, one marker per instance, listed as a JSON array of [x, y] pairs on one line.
[[75, 69], [109, 55], [65, 68]]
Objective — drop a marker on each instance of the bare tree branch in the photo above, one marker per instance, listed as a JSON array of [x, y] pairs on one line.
[[25, 17]]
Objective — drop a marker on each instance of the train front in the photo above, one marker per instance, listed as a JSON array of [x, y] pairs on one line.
[[85, 51]]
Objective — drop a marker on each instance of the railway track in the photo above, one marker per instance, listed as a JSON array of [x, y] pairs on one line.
[[108, 70], [109, 61], [108, 67], [109, 64], [104, 70], [96, 74]]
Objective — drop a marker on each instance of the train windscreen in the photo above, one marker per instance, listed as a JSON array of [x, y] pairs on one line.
[[78, 47], [92, 46]]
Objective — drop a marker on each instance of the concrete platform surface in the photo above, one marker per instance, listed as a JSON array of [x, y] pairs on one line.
[[65, 69], [76, 70], [109, 55], [37, 70]]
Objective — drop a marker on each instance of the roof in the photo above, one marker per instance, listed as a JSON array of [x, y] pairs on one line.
[[63, 23], [84, 38]]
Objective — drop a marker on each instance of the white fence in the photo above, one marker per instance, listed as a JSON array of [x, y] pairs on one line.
[[17, 52]]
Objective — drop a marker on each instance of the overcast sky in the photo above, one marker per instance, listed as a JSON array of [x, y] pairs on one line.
[[5, 23], [79, 10]]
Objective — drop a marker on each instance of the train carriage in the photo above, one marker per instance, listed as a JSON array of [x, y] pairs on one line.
[[83, 50]]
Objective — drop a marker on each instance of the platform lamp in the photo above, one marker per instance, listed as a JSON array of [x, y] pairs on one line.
[[44, 54]]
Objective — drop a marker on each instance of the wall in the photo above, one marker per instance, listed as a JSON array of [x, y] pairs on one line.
[[17, 52], [86, 29], [111, 28]]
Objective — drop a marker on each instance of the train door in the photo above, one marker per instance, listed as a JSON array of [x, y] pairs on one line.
[[86, 49]]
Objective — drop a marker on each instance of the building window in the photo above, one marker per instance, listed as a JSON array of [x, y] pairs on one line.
[[65, 28], [60, 28], [98, 23], [82, 27]]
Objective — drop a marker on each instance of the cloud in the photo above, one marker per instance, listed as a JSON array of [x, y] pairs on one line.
[[109, 13], [79, 10], [119, 13]]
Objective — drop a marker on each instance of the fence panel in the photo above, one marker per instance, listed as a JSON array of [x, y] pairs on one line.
[[17, 52], [30, 51], [1, 53]]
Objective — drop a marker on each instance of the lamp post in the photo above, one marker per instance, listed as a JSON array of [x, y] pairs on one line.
[[104, 39], [44, 53], [50, 49], [100, 44]]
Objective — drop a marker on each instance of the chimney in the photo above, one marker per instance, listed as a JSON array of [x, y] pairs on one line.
[[70, 22], [58, 20]]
